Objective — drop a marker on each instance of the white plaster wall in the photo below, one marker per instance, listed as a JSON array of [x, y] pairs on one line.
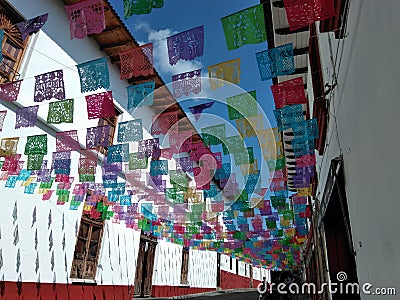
[[202, 269], [366, 107], [244, 269], [49, 50], [259, 273], [226, 264], [167, 265]]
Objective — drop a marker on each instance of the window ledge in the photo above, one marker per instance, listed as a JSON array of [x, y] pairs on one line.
[[82, 281], [184, 285]]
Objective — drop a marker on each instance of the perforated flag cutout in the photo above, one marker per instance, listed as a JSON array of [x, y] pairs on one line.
[[186, 83], [9, 91], [186, 45], [61, 112], [276, 62], [31, 26], [100, 105], [130, 131], [242, 106], [301, 13], [141, 94], [137, 62], [85, 17], [49, 86], [134, 7], [245, 27], [225, 72], [94, 75]]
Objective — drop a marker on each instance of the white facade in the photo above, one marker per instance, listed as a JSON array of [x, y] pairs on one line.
[[363, 127]]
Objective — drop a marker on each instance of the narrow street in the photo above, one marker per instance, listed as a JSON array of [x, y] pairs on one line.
[[238, 294], [224, 295]]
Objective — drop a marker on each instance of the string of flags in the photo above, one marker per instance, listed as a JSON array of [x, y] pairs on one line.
[[268, 231]]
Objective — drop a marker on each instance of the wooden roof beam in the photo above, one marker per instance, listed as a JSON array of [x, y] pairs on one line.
[[278, 4], [286, 30], [115, 45], [300, 51]]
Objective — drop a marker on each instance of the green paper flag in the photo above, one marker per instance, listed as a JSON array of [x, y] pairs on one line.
[[35, 161], [61, 112], [137, 162], [245, 27], [36, 144], [138, 7], [242, 106]]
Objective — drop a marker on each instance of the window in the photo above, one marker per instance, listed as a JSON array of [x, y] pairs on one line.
[[185, 265], [112, 123], [88, 244], [230, 263], [13, 48]]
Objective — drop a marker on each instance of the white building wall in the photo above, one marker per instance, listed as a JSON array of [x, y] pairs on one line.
[[226, 263], [202, 269], [167, 265], [366, 107]]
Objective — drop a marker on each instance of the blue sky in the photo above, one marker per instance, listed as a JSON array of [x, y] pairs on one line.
[[178, 16]]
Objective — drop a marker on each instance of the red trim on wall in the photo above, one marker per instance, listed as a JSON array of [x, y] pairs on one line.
[[234, 281], [228, 281], [48, 291], [171, 291]]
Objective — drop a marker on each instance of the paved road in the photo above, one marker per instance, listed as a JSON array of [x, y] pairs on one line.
[[248, 295]]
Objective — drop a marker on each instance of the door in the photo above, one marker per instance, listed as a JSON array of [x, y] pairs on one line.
[[218, 270], [339, 245], [145, 266]]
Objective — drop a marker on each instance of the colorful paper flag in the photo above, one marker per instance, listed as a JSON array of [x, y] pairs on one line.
[[245, 27], [224, 73], [94, 75], [276, 62], [31, 26], [138, 7], [85, 17], [186, 45], [137, 62]]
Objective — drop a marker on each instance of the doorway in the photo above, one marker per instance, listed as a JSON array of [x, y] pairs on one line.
[[338, 237], [145, 266]]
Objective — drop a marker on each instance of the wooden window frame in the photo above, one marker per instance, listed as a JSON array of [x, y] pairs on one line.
[[112, 122], [185, 266], [13, 38], [84, 263]]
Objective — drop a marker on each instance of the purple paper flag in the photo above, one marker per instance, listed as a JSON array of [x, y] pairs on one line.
[[198, 109], [186, 83], [49, 85], [31, 26], [186, 45], [26, 116]]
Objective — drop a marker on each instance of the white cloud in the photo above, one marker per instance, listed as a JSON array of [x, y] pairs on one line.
[[160, 52]]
